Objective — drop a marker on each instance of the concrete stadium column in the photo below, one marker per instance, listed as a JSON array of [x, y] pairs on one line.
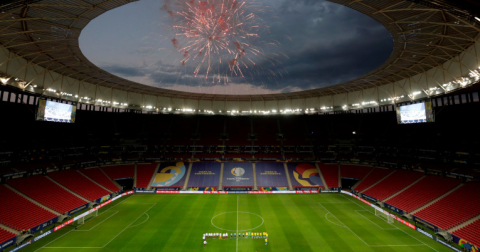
[[321, 176], [220, 183], [339, 175], [188, 176], [254, 177], [290, 187]]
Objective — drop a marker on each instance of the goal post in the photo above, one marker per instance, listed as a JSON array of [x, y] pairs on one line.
[[384, 215], [87, 217]]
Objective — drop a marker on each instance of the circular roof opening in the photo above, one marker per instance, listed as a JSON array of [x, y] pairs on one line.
[[227, 47]]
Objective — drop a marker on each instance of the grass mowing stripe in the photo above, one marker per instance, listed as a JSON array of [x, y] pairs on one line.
[[324, 230]]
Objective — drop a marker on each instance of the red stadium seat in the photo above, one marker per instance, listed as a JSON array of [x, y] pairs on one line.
[[330, 174], [79, 184], [19, 213], [46, 192], [372, 178], [393, 183], [426, 190], [99, 177], [119, 171], [144, 174]]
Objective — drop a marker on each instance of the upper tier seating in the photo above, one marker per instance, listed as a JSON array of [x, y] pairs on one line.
[[354, 171], [46, 192], [5, 235], [393, 183], [19, 213], [424, 191], [79, 184], [470, 233], [279, 156], [455, 208], [372, 178], [330, 174], [144, 174], [119, 171], [99, 177]]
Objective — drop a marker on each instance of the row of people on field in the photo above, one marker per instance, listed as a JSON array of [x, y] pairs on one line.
[[254, 235]]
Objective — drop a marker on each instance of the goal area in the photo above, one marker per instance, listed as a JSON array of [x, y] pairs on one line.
[[384, 215], [87, 217]]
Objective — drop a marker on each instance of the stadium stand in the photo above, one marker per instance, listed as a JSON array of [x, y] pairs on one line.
[[144, 174], [354, 171], [266, 130], [330, 174], [372, 178], [426, 190], [5, 235], [98, 176], [19, 213], [279, 156], [76, 182], [238, 130], [237, 156], [119, 171], [452, 210], [46, 192], [393, 183], [470, 233]]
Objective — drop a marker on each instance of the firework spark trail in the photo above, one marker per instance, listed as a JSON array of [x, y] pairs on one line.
[[217, 35]]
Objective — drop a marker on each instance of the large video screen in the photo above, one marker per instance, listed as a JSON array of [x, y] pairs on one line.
[[56, 112], [415, 113]]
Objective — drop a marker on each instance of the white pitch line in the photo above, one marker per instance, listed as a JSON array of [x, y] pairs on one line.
[[358, 211], [237, 223], [129, 225], [394, 225], [98, 223]]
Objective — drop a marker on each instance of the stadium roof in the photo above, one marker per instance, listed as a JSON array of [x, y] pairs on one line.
[[426, 35]]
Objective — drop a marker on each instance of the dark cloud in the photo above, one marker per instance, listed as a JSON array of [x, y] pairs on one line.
[[319, 44]]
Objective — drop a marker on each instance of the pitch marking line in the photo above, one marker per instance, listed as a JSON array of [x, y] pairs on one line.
[[148, 217], [393, 225], [362, 239], [211, 221], [358, 211], [108, 241], [326, 217], [86, 230]]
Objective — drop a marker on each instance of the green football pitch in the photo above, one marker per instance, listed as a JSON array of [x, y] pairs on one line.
[[176, 222]]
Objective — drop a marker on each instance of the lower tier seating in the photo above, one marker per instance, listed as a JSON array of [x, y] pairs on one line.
[[354, 171], [5, 235], [119, 171], [372, 178], [46, 192], [393, 183], [424, 191], [144, 174], [79, 184], [99, 177], [470, 233], [330, 174], [19, 213], [455, 208]]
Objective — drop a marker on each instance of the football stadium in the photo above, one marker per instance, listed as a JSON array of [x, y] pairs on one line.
[[246, 126]]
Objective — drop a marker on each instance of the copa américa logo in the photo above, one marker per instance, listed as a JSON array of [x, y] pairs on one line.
[[238, 171]]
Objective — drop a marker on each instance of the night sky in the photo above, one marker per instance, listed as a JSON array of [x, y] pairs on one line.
[[312, 44]]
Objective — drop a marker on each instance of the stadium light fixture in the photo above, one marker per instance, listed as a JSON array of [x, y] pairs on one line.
[[478, 19], [4, 80]]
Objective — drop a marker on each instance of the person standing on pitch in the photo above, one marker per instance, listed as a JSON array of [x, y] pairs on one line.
[[204, 243], [266, 242]]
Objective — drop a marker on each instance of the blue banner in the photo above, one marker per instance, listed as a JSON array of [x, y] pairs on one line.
[[425, 223], [171, 175], [78, 209], [204, 175], [202, 189], [103, 199], [237, 174], [7, 243], [43, 225], [369, 198], [21, 246], [237, 189], [400, 211], [271, 175], [304, 175]]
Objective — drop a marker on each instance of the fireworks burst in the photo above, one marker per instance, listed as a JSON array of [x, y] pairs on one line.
[[220, 39]]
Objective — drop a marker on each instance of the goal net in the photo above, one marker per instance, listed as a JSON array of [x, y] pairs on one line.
[[384, 215], [87, 217]]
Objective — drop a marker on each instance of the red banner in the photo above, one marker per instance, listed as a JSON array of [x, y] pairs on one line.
[[168, 191], [63, 225]]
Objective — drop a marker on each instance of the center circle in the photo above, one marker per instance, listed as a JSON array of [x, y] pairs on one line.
[[245, 221]]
